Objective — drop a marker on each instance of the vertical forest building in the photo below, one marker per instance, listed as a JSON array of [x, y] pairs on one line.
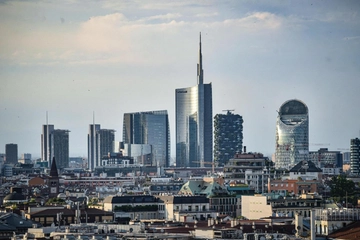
[[355, 157], [228, 136]]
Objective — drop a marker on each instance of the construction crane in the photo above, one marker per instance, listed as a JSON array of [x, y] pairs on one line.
[[211, 163]]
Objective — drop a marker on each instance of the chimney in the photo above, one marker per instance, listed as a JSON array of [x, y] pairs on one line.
[[244, 149]]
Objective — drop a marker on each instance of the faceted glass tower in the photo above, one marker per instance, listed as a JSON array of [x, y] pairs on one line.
[[228, 137], [355, 157], [292, 134], [149, 128], [193, 106]]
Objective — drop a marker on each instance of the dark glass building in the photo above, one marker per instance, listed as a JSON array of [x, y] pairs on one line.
[[292, 134], [355, 157], [11, 153], [60, 138], [149, 128], [193, 107], [228, 137]]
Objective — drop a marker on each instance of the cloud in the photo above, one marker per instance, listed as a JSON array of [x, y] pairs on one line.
[[114, 38], [205, 15]]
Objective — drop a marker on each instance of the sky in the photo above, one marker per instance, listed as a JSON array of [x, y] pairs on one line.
[[72, 58]]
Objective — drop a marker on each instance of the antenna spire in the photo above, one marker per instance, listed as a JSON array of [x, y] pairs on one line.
[[200, 72]]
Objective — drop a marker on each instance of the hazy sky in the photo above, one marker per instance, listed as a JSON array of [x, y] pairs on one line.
[[71, 58]]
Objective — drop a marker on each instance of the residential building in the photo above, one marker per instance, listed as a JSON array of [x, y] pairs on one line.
[[249, 168], [60, 141], [11, 153], [228, 136], [292, 134], [355, 157], [148, 128], [193, 113]]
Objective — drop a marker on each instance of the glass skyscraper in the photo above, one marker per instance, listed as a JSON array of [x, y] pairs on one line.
[[149, 128], [193, 106], [292, 134]]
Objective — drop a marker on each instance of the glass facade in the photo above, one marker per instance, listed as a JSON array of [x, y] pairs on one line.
[[292, 134], [93, 146], [149, 128], [193, 125], [46, 149], [193, 109], [61, 147]]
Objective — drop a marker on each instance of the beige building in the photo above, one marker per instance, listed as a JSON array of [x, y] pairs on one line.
[[255, 207]]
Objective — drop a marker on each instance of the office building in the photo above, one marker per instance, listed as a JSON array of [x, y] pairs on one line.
[[194, 122], [148, 128], [100, 143], [25, 158], [292, 134], [325, 158], [11, 152], [228, 136], [47, 150], [355, 157], [61, 147]]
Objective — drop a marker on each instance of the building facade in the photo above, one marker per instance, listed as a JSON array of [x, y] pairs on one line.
[[60, 138], [355, 156], [193, 107], [150, 128], [47, 146], [11, 153], [292, 134], [94, 156], [228, 136], [326, 159], [107, 137]]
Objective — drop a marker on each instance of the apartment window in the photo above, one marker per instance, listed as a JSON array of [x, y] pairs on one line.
[[189, 208]]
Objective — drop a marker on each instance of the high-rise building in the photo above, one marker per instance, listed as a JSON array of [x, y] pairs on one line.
[[94, 146], [61, 147], [100, 143], [194, 122], [107, 137], [228, 136], [292, 134], [150, 128], [11, 152], [355, 157], [47, 146]]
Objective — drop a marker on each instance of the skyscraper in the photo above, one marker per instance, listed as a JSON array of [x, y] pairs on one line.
[[193, 106], [11, 152], [47, 146], [292, 134], [228, 136], [55, 143], [60, 139], [149, 128], [100, 143], [93, 146], [355, 157]]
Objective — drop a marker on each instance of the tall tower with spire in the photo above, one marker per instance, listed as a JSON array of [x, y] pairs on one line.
[[194, 137]]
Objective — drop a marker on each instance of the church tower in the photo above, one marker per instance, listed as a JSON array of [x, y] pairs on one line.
[[53, 180]]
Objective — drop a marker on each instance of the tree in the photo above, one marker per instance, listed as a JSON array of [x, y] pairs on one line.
[[342, 188]]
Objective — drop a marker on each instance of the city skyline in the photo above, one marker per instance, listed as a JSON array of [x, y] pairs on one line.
[[114, 58]]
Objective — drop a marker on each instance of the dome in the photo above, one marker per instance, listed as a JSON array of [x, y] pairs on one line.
[[293, 107], [14, 196]]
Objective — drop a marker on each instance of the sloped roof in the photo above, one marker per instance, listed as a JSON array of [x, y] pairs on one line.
[[14, 196], [12, 219], [201, 187], [305, 166], [351, 231]]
